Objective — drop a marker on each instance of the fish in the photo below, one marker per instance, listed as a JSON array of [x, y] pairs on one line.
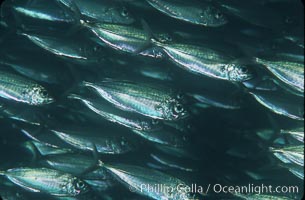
[[106, 143], [296, 170], [146, 99], [139, 178], [125, 38], [75, 164], [211, 99], [46, 180], [68, 48], [105, 11], [100, 186], [194, 12], [43, 149], [129, 120], [19, 89], [281, 104], [165, 136], [21, 114], [252, 13], [205, 61], [297, 133], [155, 72], [290, 73], [38, 12], [290, 154], [172, 162], [53, 72]]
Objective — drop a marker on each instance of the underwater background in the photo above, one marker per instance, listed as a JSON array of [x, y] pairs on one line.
[[152, 99]]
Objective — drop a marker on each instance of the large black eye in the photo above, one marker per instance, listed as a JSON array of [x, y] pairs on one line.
[[44, 93], [244, 70], [218, 15], [80, 184], [180, 96], [178, 108], [125, 12], [168, 38]]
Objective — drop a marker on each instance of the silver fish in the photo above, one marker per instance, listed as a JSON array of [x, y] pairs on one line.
[[297, 133], [125, 38], [218, 101], [47, 181], [281, 104], [129, 120], [74, 164], [296, 170], [205, 61], [68, 48], [21, 114], [146, 99], [139, 178], [291, 73], [39, 12], [19, 89], [106, 11], [44, 149], [291, 154], [105, 143], [165, 136], [172, 162], [195, 12]]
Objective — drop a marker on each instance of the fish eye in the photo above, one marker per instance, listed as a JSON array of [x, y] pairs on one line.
[[179, 96], [218, 15], [289, 20], [80, 184], [178, 108], [125, 12], [168, 38], [44, 93], [123, 141], [244, 70]]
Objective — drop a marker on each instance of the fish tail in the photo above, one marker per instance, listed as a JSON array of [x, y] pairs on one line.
[[69, 6], [151, 39]]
